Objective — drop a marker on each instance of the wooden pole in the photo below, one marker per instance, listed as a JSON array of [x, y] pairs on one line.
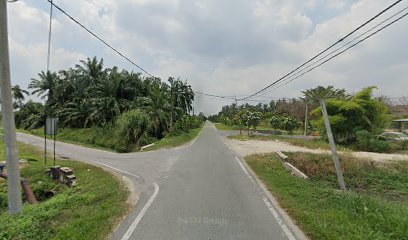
[[336, 160]]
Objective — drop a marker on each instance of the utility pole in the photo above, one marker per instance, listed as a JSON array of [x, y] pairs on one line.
[[305, 132], [13, 171], [172, 103], [333, 147]]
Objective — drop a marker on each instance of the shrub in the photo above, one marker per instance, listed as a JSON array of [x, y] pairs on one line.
[[362, 112], [367, 142], [131, 129], [404, 145], [276, 122], [290, 124]]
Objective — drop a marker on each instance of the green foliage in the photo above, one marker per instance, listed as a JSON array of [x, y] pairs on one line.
[[94, 97], [132, 127], [276, 122], [375, 208], [89, 211], [290, 124], [361, 112], [315, 94], [188, 122], [252, 119], [31, 115], [368, 142]]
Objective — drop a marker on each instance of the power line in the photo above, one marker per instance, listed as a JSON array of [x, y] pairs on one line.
[[99, 38], [217, 96], [302, 72], [325, 50], [355, 44]]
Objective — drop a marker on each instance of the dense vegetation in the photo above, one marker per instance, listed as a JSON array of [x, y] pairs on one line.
[[356, 120], [91, 210], [135, 110], [374, 208]]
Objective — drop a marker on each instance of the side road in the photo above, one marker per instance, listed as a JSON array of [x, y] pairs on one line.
[[139, 171], [249, 147]]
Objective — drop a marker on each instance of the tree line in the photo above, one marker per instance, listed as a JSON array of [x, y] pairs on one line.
[[356, 119], [90, 95]]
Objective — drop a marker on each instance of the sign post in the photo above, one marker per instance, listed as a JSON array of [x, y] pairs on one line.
[[50, 129]]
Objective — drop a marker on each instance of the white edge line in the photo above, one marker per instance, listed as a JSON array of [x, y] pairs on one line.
[[244, 169], [139, 217], [270, 207], [117, 169], [279, 219], [189, 145]]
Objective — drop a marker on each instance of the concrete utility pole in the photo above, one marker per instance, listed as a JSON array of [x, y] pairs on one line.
[[333, 147], [305, 132], [13, 171]]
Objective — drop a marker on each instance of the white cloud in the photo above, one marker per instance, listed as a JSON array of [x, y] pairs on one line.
[[223, 47]]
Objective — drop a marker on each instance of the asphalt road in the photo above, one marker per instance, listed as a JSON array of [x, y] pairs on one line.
[[199, 191]]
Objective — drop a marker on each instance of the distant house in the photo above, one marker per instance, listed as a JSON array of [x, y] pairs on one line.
[[403, 124], [399, 110]]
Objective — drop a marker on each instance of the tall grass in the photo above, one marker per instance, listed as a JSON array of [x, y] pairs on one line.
[[375, 208]]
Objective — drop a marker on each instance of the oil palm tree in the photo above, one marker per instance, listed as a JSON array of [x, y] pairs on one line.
[[18, 95], [45, 84]]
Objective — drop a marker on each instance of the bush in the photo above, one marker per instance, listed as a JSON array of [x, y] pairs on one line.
[[187, 122], [131, 129], [404, 145], [276, 122], [367, 142], [290, 124]]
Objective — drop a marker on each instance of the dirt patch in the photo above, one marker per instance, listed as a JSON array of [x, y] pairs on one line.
[[250, 147]]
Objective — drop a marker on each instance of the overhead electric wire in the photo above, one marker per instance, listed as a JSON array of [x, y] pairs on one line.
[[325, 50], [355, 44], [99, 38], [336, 50], [217, 96]]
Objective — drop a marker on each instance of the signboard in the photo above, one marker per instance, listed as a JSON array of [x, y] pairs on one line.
[[51, 126]]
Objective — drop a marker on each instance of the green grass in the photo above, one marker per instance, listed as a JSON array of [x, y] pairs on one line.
[[103, 138], [221, 126], [376, 207], [175, 140], [90, 210], [96, 137], [308, 143]]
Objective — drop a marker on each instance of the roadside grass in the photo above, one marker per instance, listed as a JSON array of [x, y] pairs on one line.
[[103, 138], [376, 207], [307, 143], [90, 210], [221, 126], [95, 137], [176, 140]]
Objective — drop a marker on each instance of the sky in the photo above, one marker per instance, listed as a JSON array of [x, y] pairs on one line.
[[222, 47]]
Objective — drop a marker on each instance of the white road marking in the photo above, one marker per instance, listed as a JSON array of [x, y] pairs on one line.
[[244, 169], [117, 169], [270, 207], [279, 220], [189, 145], [139, 217]]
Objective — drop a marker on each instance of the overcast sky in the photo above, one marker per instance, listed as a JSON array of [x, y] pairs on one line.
[[223, 47]]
